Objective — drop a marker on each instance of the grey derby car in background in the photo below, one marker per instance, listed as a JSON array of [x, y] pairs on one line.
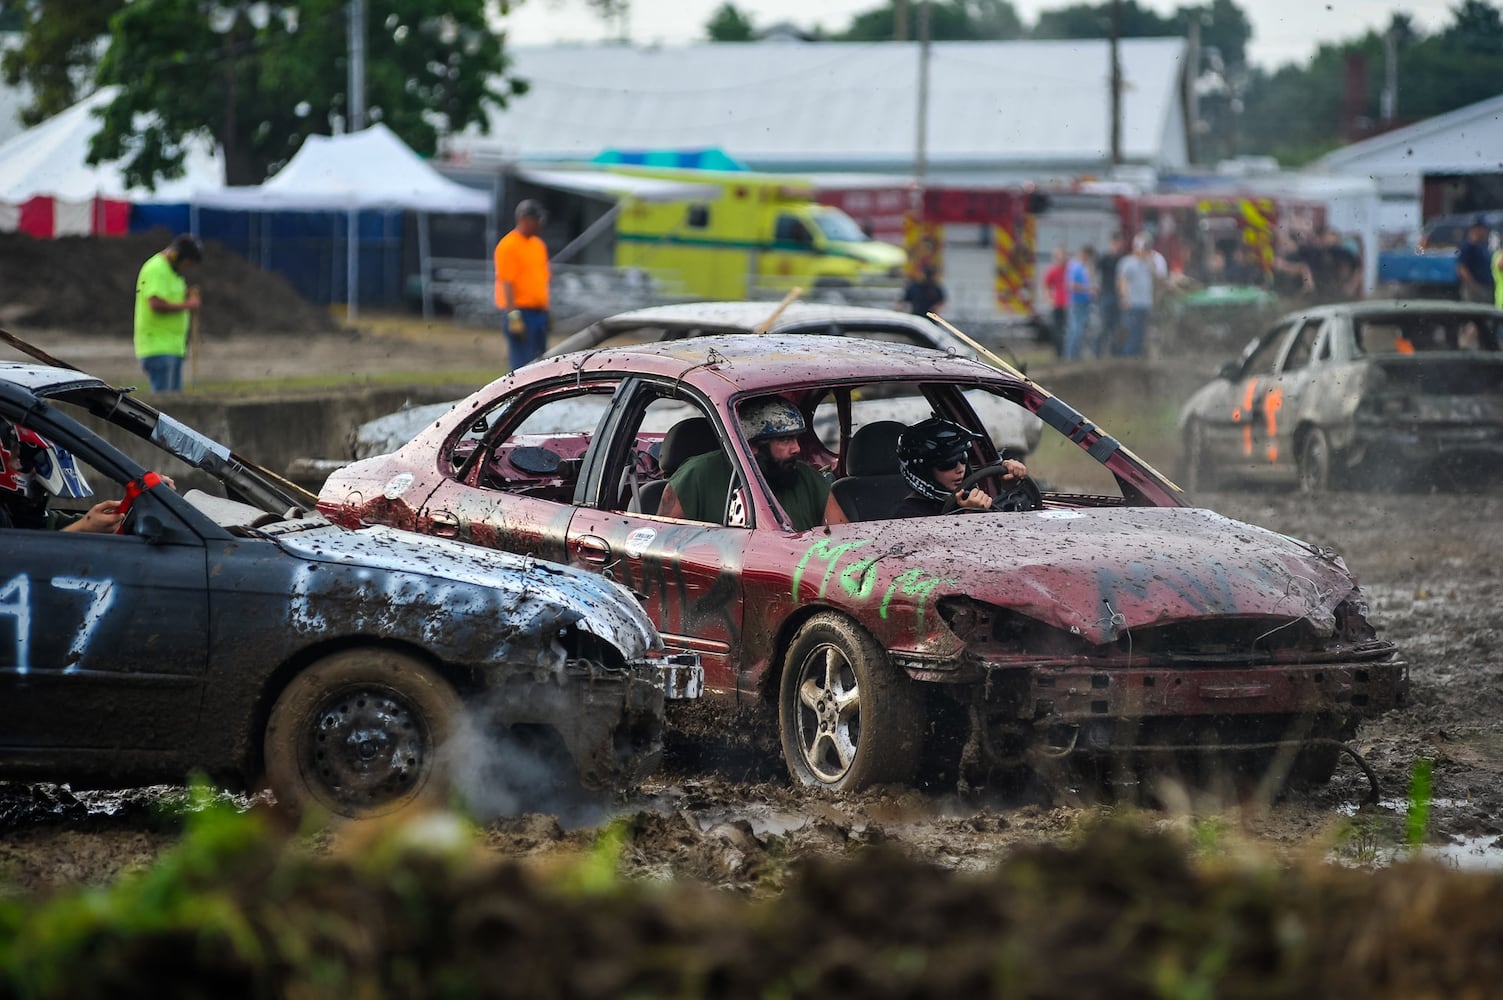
[[1379, 391], [1015, 432]]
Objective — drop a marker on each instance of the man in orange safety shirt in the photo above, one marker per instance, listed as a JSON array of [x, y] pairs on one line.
[[522, 284]]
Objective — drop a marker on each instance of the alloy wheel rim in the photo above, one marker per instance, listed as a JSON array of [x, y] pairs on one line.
[[829, 713]]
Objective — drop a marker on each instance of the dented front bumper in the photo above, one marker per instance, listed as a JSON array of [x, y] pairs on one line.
[[610, 719]]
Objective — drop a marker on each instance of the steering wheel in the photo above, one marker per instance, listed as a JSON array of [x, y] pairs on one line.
[[1022, 495]]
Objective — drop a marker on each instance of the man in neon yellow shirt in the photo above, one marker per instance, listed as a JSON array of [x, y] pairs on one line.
[[164, 303]]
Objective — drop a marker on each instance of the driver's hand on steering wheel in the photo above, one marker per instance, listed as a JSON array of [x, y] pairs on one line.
[[1015, 469], [974, 499]]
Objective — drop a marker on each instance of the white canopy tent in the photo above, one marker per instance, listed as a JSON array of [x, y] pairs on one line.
[[50, 160], [367, 170]]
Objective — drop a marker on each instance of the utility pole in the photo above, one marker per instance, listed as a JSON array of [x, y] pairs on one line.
[[900, 20], [921, 143], [1388, 103], [356, 18], [1192, 92], [1116, 83]]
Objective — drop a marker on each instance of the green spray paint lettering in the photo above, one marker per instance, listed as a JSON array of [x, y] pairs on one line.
[[859, 578], [829, 554], [913, 583]]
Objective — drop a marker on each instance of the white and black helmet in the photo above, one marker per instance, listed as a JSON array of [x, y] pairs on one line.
[[770, 417], [930, 444]]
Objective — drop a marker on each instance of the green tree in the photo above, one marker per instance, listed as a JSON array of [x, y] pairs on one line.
[[58, 52], [259, 89], [1095, 20], [729, 24], [1297, 113], [949, 20]]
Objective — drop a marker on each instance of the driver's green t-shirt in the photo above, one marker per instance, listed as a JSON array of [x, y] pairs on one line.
[[701, 485], [160, 333]]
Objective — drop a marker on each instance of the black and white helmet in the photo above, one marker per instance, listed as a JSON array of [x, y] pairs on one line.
[[930, 444], [770, 417]]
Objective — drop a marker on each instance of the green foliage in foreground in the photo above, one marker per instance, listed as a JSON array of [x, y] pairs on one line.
[[418, 909]]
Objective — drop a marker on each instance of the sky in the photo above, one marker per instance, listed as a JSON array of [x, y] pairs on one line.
[[1284, 31]]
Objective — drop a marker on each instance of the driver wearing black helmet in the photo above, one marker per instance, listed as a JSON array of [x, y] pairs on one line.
[[31, 469], [933, 456]]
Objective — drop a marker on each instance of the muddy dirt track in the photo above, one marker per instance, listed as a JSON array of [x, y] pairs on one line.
[[723, 813]]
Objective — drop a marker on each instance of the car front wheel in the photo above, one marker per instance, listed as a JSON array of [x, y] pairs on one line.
[[1315, 461], [848, 719], [1199, 474], [358, 734]]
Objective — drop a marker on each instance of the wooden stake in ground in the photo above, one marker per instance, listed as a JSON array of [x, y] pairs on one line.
[[195, 348]]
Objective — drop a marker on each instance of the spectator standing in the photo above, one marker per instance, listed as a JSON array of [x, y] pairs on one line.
[[1137, 275], [1082, 293], [1057, 285], [1474, 264], [1109, 303], [164, 306], [1497, 278], [924, 294], [521, 260]]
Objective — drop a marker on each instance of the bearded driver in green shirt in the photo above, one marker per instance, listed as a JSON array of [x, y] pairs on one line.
[[772, 425], [164, 304]]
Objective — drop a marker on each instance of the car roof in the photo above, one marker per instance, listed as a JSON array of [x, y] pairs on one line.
[[766, 361], [746, 317], [1369, 307], [45, 379]]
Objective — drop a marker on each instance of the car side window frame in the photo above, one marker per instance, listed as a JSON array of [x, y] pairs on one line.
[[1273, 342], [607, 460], [1315, 327], [517, 408]]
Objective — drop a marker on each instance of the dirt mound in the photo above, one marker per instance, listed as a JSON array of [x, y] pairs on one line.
[[88, 284]]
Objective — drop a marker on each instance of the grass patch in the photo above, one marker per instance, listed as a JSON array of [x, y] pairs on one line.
[[471, 377]]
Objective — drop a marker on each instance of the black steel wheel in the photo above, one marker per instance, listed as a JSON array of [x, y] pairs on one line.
[[358, 734], [848, 719]]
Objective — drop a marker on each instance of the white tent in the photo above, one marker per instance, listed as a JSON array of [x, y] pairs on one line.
[[50, 160], [370, 169]]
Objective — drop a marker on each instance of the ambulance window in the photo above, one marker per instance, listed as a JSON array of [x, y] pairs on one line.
[[699, 216], [791, 229]]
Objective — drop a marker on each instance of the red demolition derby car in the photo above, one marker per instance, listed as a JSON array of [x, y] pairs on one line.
[[1101, 617]]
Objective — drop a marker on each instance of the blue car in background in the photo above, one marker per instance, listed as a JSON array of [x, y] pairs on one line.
[[1429, 267]]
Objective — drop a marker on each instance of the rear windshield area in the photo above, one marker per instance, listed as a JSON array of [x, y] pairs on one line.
[[1422, 333]]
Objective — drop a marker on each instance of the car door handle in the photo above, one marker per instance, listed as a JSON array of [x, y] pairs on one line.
[[592, 549], [443, 524]]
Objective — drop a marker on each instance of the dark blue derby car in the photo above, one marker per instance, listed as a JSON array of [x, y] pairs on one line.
[[226, 627]]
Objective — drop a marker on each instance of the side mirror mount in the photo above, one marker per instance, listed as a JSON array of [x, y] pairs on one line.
[[1228, 371], [151, 528]]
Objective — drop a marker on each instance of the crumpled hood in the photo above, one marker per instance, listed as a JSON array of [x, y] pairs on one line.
[[1094, 572], [447, 578]]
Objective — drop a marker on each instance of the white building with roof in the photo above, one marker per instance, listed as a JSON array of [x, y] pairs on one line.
[[1442, 165], [998, 112]]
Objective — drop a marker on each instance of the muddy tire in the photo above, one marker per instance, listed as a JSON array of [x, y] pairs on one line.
[[1314, 766], [1199, 474], [848, 719], [357, 735], [1315, 462]]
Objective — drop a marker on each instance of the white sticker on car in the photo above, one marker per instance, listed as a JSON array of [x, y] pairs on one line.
[[637, 542], [1058, 515], [398, 485]]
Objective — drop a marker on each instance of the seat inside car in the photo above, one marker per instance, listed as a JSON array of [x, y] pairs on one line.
[[874, 481], [685, 439]]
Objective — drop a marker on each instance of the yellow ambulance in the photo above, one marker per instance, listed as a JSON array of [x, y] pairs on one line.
[[757, 236]]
